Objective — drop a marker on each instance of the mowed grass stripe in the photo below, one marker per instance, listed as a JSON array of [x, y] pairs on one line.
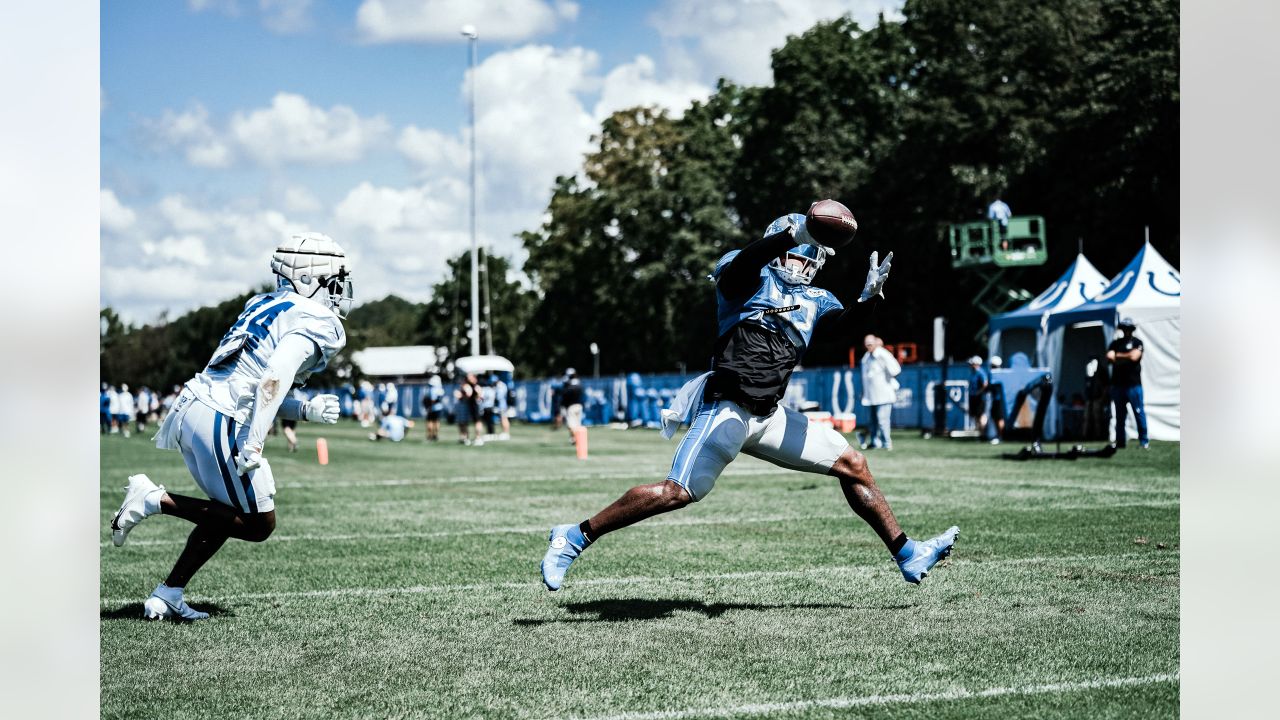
[[820, 571], [899, 699], [527, 529]]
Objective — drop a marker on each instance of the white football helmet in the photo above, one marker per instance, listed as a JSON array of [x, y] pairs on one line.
[[313, 265]]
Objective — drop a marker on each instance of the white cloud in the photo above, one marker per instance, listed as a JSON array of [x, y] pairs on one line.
[[382, 21], [278, 16], [191, 132], [734, 39], [180, 215], [636, 83], [294, 130], [286, 16], [181, 255], [432, 150], [185, 249], [290, 130], [114, 215], [300, 200]]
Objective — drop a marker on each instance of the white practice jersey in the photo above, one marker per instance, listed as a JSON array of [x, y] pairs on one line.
[[228, 382]]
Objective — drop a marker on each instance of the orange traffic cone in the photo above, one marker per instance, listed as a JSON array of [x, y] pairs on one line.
[[322, 451], [580, 441]]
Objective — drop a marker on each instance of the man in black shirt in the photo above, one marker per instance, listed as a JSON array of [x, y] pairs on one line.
[[1125, 356]]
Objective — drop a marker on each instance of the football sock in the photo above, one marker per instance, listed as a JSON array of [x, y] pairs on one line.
[[151, 501], [902, 547], [585, 528]]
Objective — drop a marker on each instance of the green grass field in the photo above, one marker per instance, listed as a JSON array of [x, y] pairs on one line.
[[402, 581]]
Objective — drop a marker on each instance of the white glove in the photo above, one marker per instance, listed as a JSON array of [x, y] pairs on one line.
[[248, 460], [876, 276], [802, 236], [323, 408]]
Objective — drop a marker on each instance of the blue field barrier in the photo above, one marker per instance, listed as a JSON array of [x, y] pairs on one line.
[[637, 400]]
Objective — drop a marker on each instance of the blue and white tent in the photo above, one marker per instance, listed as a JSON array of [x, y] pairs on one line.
[[1022, 330], [1149, 290]]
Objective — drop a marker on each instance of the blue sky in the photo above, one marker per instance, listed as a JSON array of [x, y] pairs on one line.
[[228, 124]]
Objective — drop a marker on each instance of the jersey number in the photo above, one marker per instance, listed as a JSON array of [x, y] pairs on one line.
[[803, 318]]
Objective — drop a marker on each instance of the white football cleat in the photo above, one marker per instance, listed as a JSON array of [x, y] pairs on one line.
[[134, 508], [166, 603]]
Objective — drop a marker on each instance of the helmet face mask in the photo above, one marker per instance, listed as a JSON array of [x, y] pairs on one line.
[[314, 266], [800, 264]]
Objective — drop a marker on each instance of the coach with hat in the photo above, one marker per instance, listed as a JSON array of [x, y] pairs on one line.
[[1125, 356]]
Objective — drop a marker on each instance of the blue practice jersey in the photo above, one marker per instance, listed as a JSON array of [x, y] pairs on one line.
[[792, 310]]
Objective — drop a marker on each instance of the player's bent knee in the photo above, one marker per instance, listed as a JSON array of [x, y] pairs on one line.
[[260, 528], [674, 496], [853, 465]]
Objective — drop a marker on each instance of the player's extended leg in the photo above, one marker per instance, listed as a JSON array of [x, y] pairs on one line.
[[713, 440], [787, 439]]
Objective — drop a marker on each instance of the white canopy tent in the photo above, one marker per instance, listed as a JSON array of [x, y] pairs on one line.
[[1149, 290], [1022, 330]]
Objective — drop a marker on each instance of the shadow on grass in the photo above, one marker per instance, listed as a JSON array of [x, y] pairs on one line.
[[133, 611], [629, 610]]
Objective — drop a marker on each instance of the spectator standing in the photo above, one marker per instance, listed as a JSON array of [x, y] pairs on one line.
[[104, 408], [391, 400], [143, 409], [467, 410], [996, 391], [502, 394], [571, 402], [113, 408], [979, 398], [488, 405], [880, 370], [127, 409], [433, 404], [1125, 356], [1000, 213]]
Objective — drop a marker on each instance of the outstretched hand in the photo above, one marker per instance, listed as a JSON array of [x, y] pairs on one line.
[[876, 276]]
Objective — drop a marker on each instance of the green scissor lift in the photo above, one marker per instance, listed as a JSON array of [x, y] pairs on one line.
[[992, 251]]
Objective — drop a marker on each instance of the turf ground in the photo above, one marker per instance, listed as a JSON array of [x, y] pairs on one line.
[[402, 581]]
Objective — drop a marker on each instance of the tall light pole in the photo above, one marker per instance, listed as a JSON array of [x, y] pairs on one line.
[[469, 32]]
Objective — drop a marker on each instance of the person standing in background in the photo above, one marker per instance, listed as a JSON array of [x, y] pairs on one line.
[[571, 401], [879, 391], [433, 403], [104, 408], [996, 391], [127, 409], [1125, 356], [979, 398], [1000, 213]]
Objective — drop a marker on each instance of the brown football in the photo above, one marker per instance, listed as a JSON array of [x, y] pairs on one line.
[[831, 223]]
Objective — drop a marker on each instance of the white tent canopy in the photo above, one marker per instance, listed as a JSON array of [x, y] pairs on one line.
[[403, 361], [1022, 330], [1149, 290]]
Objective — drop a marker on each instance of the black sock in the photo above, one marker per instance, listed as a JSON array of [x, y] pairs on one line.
[[897, 544], [585, 529]]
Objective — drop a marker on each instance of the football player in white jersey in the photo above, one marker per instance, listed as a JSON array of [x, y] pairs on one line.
[[220, 419]]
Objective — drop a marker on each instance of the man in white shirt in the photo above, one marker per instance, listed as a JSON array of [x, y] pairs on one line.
[[879, 390]]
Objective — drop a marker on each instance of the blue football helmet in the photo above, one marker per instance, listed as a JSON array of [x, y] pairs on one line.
[[798, 265]]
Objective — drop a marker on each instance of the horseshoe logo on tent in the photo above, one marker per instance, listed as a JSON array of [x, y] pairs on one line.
[[1048, 297], [1151, 278], [1117, 288]]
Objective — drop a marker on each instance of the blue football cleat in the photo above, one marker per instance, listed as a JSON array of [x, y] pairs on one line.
[[567, 543], [921, 556]]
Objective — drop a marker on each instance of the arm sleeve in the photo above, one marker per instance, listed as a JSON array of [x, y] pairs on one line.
[[890, 362], [742, 276], [293, 409], [289, 356]]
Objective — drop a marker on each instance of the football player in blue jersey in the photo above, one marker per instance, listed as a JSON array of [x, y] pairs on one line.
[[768, 312], [220, 419]]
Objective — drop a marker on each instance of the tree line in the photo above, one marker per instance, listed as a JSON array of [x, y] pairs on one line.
[[1066, 109]]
